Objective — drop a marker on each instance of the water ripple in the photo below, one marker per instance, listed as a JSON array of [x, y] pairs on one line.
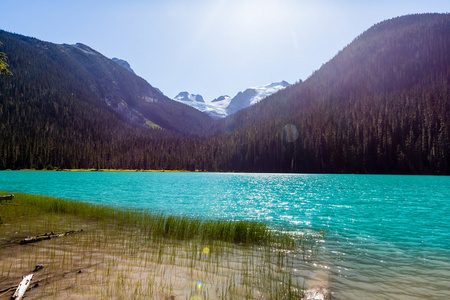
[[387, 236]]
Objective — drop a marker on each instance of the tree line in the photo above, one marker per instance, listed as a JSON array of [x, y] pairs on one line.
[[381, 105]]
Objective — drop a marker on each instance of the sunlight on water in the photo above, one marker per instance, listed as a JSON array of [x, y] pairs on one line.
[[388, 236]]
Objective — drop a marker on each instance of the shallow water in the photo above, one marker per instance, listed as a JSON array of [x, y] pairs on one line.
[[387, 236]]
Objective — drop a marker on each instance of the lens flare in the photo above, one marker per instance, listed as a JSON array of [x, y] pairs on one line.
[[290, 133]]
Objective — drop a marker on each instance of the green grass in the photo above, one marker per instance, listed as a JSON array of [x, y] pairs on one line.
[[161, 225], [136, 254], [152, 125]]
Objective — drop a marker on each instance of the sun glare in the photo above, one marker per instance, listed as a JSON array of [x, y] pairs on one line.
[[257, 18], [256, 23]]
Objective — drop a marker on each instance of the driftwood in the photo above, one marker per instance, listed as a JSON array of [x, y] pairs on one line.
[[7, 197], [46, 236], [47, 279], [22, 288]]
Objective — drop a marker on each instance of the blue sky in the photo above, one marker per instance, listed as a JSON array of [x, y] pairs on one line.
[[209, 47]]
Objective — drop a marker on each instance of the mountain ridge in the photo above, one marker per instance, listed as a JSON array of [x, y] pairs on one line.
[[223, 106], [123, 63], [186, 97], [85, 70], [364, 110], [380, 105]]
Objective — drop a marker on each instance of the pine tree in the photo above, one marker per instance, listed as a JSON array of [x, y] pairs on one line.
[[3, 64]]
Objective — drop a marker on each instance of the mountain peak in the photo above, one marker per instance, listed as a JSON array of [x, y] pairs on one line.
[[224, 106], [277, 85], [123, 63], [85, 49], [221, 98], [187, 97], [253, 95]]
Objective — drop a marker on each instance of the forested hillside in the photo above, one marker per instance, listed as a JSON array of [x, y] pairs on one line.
[[64, 103], [381, 105], [77, 71]]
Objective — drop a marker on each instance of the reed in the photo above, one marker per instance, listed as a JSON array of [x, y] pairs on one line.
[[140, 255], [176, 227]]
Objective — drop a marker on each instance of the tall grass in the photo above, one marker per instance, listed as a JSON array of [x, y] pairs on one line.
[[141, 255], [161, 225]]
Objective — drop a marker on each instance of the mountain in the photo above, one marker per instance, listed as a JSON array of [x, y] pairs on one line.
[[253, 95], [221, 99], [123, 63], [219, 107], [79, 72], [381, 105], [215, 109], [186, 97], [224, 106], [68, 105]]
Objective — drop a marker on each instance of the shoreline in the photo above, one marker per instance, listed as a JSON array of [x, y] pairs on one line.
[[220, 172], [117, 255], [106, 170]]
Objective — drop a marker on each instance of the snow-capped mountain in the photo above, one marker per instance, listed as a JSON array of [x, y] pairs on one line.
[[253, 95], [219, 107], [186, 97], [216, 109], [224, 106], [222, 98]]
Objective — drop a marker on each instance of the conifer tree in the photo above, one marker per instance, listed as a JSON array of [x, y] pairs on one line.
[[3, 64]]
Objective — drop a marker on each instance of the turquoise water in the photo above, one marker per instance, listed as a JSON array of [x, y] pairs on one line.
[[388, 236]]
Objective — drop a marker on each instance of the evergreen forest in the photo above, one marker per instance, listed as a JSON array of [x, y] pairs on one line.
[[381, 105]]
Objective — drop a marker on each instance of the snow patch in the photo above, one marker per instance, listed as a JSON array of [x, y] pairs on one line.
[[187, 97], [220, 107], [267, 90]]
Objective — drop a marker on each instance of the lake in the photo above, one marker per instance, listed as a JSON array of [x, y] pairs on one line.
[[388, 236]]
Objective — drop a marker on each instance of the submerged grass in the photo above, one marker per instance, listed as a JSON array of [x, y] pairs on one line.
[[139, 255], [178, 227]]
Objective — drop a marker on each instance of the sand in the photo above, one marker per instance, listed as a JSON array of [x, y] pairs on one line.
[[103, 262]]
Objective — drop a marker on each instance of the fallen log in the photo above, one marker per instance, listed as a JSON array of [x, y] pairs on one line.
[[47, 279], [46, 236], [35, 239], [7, 197], [22, 288]]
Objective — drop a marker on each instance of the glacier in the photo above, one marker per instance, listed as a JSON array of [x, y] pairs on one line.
[[223, 106]]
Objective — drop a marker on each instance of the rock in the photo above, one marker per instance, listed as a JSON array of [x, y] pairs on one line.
[[316, 293], [38, 268]]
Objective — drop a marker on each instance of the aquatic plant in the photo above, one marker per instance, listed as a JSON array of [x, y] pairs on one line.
[[134, 254], [158, 224]]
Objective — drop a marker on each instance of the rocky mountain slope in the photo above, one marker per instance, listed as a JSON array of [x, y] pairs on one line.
[[123, 63], [78, 73]]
